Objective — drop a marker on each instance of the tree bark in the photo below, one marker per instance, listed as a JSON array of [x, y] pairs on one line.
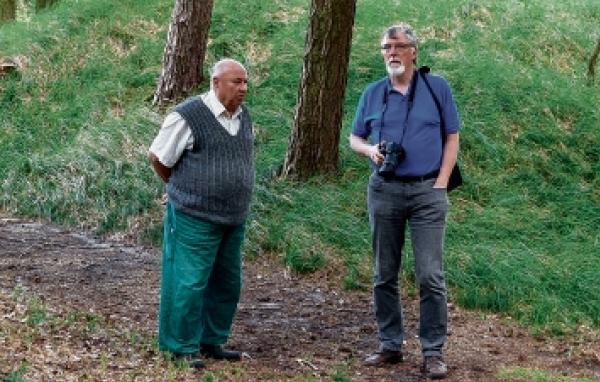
[[313, 147], [592, 63], [184, 54], [8, 10]]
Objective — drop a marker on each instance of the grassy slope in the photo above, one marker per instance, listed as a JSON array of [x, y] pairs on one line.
[[522, 237]]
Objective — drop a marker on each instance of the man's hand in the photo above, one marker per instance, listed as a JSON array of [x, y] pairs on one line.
[[375, 155], [163, 171], [361, 146], [440, 183]]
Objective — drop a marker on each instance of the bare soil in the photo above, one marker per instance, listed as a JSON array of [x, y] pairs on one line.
[[291, 327]]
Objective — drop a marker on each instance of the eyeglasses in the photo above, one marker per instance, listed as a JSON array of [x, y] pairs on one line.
[[399, 46]]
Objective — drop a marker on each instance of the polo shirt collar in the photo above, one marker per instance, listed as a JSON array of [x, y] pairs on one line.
[[389, 88]]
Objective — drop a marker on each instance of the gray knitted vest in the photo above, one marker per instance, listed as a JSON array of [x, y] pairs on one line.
[[214, 179]]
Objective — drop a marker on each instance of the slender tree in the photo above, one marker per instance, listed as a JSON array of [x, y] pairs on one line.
[[313, 147], [592, 63], [8, 10], [185, 50]]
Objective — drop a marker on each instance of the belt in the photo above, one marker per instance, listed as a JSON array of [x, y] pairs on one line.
[[410, 178]]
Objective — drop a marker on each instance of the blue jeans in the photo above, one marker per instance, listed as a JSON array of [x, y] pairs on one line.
[[392, 204]]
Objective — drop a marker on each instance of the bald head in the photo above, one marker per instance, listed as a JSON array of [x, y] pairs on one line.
[[222, 66], [229, 81]]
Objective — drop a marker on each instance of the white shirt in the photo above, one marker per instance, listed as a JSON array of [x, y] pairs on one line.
[[175, 135]]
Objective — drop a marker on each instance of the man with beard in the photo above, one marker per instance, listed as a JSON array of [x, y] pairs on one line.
[[204, 152], [398, 127]]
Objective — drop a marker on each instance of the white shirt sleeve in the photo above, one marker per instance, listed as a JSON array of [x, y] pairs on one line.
[[173, 137]]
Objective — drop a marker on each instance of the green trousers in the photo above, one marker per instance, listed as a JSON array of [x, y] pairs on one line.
[[201, 282]]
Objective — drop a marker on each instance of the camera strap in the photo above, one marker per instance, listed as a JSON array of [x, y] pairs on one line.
[[456, 179], [411, 99], [424, 70]]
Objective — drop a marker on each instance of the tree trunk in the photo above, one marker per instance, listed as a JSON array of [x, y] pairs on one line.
[[313, 147], [185, 50], [8, 10]]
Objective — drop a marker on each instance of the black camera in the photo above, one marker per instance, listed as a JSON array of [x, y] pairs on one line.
[[393, 153]]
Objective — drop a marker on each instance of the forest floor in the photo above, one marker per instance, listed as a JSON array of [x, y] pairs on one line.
[[78, 308]]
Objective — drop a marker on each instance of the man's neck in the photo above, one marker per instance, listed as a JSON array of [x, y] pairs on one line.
[[230, 110], [402, 82]]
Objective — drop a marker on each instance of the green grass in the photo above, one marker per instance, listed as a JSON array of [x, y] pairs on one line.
[[521, 374], [16, 375], [36, 313], [522, 235]]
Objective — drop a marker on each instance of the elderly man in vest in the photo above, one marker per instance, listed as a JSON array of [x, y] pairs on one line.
[[204, 154]]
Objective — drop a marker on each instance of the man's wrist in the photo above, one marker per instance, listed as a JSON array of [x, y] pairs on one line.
[[441, 182]]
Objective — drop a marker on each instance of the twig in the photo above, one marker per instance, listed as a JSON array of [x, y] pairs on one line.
[[306, 363]]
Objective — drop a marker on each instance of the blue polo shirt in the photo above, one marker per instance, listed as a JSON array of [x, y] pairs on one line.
[[381, 115]]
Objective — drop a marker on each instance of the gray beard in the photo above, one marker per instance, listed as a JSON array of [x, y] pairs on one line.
[[395, 71]]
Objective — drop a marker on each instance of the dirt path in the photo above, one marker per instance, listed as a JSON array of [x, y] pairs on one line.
[[293, 328]]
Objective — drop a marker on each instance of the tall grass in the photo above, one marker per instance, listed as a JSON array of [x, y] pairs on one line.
[[522, 235]]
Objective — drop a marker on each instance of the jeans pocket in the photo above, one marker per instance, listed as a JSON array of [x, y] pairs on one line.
[[375, 182]]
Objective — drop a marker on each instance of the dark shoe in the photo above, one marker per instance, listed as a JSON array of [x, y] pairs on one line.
[[385, 357], [217, 352], [434, 367], [193, 360]]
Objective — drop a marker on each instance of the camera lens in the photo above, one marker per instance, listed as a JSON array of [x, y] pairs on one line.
[[393, 154]]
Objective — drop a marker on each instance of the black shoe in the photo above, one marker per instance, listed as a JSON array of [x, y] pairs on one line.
[[193, 360], [434, 367], [217, 352], [385, 357]]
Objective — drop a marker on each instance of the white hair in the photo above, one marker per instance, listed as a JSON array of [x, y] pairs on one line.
[[220, 66], [403, 28]]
